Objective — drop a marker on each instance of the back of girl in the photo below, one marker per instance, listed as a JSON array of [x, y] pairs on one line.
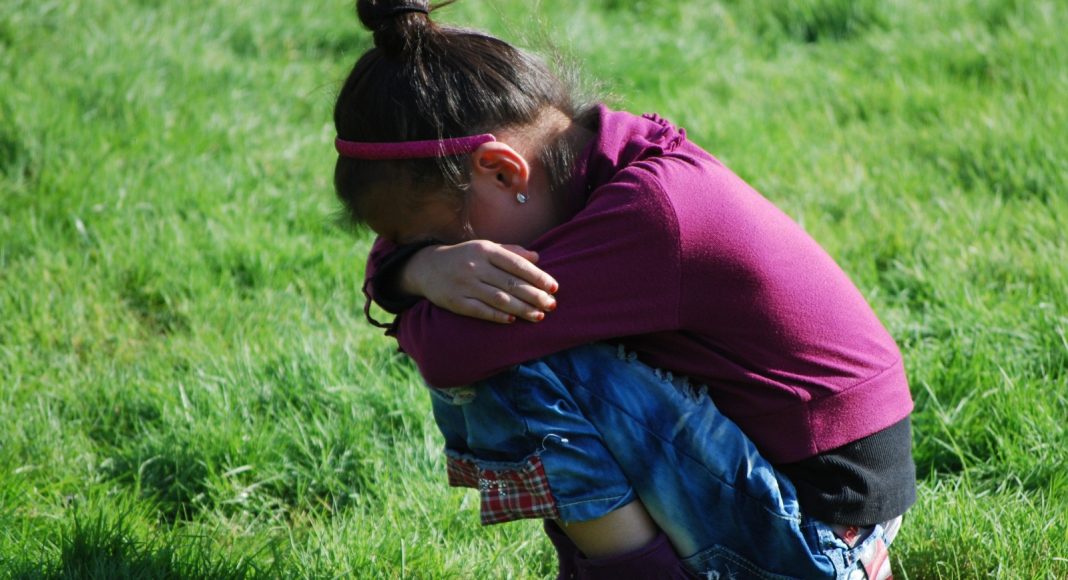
[[622, 338]]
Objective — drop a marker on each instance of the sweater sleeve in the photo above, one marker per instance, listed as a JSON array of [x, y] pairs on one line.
[[618, 265], [381, 277], [380, 251]]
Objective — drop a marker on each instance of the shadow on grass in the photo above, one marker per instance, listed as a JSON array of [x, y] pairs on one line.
[[106, 546]]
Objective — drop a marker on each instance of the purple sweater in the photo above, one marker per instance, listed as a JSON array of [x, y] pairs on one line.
[[681, 261]]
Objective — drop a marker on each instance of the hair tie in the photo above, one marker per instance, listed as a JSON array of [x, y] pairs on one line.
[[411, 149], [405, 7]]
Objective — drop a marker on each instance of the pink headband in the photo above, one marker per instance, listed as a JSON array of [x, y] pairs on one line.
[[411, 149]]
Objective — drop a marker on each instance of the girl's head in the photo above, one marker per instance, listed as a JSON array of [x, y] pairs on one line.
[[422, 81]]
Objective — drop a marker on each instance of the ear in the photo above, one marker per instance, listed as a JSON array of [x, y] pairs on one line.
[[499, 164]]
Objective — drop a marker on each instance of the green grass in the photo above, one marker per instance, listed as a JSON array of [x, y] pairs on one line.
[[188, 389]]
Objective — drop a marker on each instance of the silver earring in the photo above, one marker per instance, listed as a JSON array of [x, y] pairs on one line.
[[521, 197]]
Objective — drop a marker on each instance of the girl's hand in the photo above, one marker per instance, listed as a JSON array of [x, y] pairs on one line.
[[481, 279]]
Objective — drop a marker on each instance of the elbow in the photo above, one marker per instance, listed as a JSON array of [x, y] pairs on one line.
[[441, 367], [444, 373], [447, 368], [442, 359]]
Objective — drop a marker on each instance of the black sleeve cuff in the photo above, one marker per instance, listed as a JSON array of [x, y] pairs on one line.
[[385, 285]]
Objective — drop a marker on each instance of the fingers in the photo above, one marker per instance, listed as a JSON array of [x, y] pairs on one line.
[[529, 255], [485, 280], [478, 309], [510, 301], [523, 291], [517, 286], [520, 263]]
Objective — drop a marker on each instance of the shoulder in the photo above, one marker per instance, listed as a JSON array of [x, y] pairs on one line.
[[671, 187], [637, 197], [626, 214], [646, 168], [647, 154]]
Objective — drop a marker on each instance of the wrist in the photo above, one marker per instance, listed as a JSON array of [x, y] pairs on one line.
[[410, 280], [386, 285]]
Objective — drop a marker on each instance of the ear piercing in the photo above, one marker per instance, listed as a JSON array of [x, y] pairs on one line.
[[521, 198]]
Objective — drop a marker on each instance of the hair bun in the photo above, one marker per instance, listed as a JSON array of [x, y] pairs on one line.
[[378, 14]]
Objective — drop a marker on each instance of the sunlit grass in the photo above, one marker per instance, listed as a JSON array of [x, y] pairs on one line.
[[187, 386]]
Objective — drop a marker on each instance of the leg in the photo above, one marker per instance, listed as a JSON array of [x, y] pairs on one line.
[[567, 553], [520, 440], [724, 507], [653, 559], [623, 530], [625, 544], [599, 430]]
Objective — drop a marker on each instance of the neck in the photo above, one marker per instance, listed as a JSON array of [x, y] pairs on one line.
[[572, 142], [553, 146]]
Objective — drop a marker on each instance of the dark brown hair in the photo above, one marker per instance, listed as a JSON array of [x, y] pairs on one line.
[[424, 81]]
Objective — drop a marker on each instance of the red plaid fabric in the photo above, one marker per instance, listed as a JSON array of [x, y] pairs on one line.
[[506, 494]]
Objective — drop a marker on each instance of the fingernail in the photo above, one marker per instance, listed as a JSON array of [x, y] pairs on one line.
[[551, 307], [511, 319], [539, 316], [553, 289]]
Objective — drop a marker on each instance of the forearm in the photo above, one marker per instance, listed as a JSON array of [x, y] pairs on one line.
[[598, 300], [392, 285], [618, 267]]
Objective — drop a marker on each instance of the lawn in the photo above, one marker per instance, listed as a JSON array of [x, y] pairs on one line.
[[188, 388]]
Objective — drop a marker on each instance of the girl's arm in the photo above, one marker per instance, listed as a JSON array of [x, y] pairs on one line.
[[479, 278], [618, 267]]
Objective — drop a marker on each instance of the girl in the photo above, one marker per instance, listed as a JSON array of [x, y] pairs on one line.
[[497, 198]]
